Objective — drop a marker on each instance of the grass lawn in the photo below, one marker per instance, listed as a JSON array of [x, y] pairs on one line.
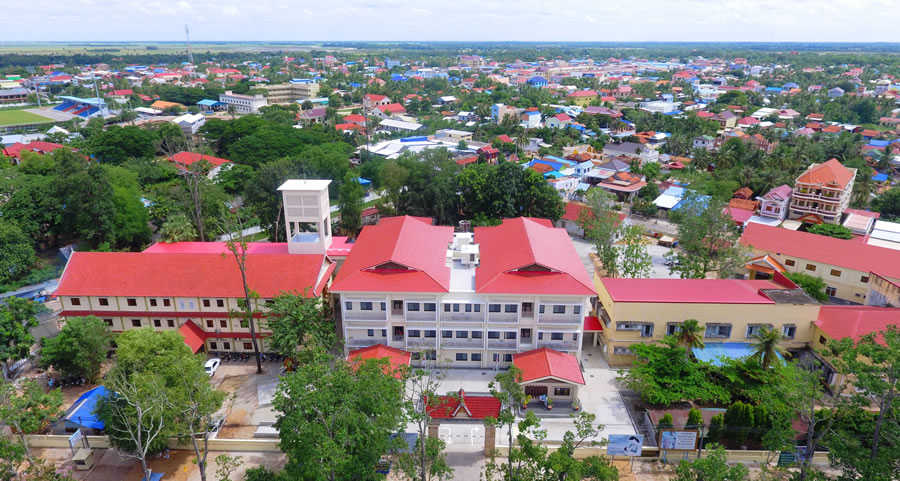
[[16, 117]]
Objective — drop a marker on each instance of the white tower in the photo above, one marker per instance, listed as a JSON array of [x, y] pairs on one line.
[[307, 215]]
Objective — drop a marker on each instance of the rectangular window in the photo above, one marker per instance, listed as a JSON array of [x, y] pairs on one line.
[[576, 310], [493, 307], [248, 346], [541, 309], [822, 340], [103, 301], [430, 333], [556, 336], [789, 262], [789, 331], [212, 345], [810, 267], [496, 357], [831, 291], [511, 308], [365, 306], [269, 302], [835, 273], [647, 330], [75, 301], [477, 307], [430, 355], [370, 332], [416, 356], [223, 323], [170, 322], [348, 306], [672, 329], [210, 324], [135, 323], [462, 334], [468, 307], [509, 335], [412, 307], [455, 307], [445, 334], [622, 351], [446, 307], [157, 323], [430, 307], [559, 309], [206, 303], [226, 346], [167, 302], [220, 303], [753, 329], [477, 334], [131, 302], [414, 333], [493, 335], [152, 302], [383, 306], [461, 356], [718, 330], [864, 279], [476, 356], [575, 336], [561, 391], [507, 358]]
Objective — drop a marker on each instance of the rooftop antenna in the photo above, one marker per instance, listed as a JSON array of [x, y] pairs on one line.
[[187, 34]]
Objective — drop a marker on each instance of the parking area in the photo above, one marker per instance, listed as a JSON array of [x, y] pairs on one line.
[[249, 397]]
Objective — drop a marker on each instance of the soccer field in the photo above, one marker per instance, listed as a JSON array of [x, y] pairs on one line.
[[17, 117]]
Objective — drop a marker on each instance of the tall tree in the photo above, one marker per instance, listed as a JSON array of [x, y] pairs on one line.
[[767, 346], [16, 321], [428, 462], [507, 388], [350, 201], [198, 402], [634, 258], [690, 335], [238, 249], [17, 255], [29, 410], [707, 240], [298, 321], [79, 349], [601, 225]]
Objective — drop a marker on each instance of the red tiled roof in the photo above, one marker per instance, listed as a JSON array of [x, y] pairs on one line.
[[193, 335], [524, 242], [738, 215], [376, 97], [34, 146], [856, 321], [699, 291], [583, 93], [505, 138], [210, 274], [831, 173], [592, 323], [354, 118], [462, 405], [123, 92], [188, 158], [397, 358], [819, 248], [573, 210], [545, 363], [406, 241], [467, 160], [393, 108]]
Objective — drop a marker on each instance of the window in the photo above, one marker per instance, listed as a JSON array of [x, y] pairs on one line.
[[430, 307], [245, 324], [206, 303], [445, 334], [108, 322], [462, 334], [414, 333], [430, 355], [248, 346], [226, 346], [461, 356], [383, 306], [210, 324], [220, 303], [103, 301], [647, 330], [269, 302], [864, 279], [575, 336], [455, 307], [468, 307], [430, 333], [131, 302], [213, 346], [559, 309], [526, 333], [223, 323], [348, 306], [789, 262], [507, 358], [576, 310], [511, 308], [509, 335], [822, 340], [370, 332], [412, 307], [416, 356], [672, 328], [753, 329], [365, 306], [493, 335], [718, 330], [540, 336], [835, 273], [622, 351], [135, 323], [493, 307], [541, 309], [446, 307], [831, 291], [556, 336], [75, 301], [810, 267], [152, 303], [477, 334], [789, 331], [476, 356], [170, 322], [561, 391], [496, 357], [167, 302], [157, 323], [477, 307], [397, 305]]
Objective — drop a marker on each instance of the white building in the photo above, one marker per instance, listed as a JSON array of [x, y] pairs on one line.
[[243, 104], [189, 123]]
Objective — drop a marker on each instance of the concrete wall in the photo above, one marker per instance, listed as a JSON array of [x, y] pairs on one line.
[[100, 442]]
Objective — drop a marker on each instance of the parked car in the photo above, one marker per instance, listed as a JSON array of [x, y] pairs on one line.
[[212, 365]]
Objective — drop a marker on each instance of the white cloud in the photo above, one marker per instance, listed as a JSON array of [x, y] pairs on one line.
[[473, 20]]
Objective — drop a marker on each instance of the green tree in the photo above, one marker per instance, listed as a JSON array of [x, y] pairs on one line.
[[12, 455], [634, 257], [238, 249], [79, 349], [814, 286], [196, 403], [178, 228], [86, 196], [16, 321], [351, 202], [507, 388], [29, 410], [336, 419], [601, 225], [888, 203], [707, 241], [505, 191], [427, 462], [695, 418], [767, 346], [690, 335], [666, 422], [225, 465], [711, 467], [831, 230], [297, 321], [17, 255], [116, 144]]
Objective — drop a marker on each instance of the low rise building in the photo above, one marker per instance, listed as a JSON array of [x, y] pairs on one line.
[[189, 123], [822, 192], [243, 104]]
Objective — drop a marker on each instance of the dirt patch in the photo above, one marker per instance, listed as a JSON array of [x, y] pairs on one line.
[[236, 432]]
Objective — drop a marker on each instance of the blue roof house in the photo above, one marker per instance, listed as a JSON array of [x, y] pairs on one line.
[[537, 81]]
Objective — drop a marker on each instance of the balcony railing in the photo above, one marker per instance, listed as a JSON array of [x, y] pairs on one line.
[[559, 319], [821, 196], [559, 345], [364, 342], [462, 316], [397, 312], [365, 316], [501, 344], [423, 316], [502, 317], [468, 343], [421, 342]]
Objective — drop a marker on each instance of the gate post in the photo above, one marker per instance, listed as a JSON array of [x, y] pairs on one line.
[[490, 434], [433, 430]]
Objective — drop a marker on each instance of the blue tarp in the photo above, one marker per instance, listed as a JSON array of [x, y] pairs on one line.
[[363, 181], [713, 352], [82, 412], [880, 177], [155, 476], [879, 143]]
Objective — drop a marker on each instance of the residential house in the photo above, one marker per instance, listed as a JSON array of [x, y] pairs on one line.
[[537, 81], [822, 192], [704, 142], [15, 150], [836, 92], [189, 123], [633, 150], [489, 154], [370, 101], [399, 126], [558, 121], [775, 203], [313, 116], [624, 185], [593, 110], [184, 161], [500, 111], [385, 111], [582, 97], [530, 119], [726, 119]]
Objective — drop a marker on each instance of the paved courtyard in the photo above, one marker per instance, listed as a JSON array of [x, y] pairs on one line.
[[658, 270]]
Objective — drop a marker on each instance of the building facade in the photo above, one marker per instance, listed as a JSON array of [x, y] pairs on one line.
[[243, 104], [775, 203], [470, 299], [822, 192], [286, 93]]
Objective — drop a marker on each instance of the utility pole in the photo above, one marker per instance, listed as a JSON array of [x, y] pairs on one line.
[[187, 34]]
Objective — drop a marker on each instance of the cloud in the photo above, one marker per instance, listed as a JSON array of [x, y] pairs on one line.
[[467, 20]]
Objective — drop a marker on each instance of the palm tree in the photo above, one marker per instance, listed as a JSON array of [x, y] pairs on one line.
[[767, 346], [521, 142], [690, 336]]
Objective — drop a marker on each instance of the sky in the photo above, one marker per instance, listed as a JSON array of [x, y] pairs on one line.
[[452, 20]]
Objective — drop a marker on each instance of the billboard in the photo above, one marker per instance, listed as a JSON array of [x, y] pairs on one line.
[[678, 440], [625, 445]]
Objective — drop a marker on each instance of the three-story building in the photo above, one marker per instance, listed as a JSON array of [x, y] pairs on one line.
[[822, 192]]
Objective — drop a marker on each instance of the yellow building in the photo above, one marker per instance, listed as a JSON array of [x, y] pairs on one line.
[[635, 311], [844, 265], [582, 97]]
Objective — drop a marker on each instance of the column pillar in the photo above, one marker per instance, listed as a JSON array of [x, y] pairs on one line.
[[490, 436], [433, 430]]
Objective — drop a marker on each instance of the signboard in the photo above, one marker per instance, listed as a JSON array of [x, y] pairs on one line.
[[625, 445], [787, 458], [75, 438], [678, 440]]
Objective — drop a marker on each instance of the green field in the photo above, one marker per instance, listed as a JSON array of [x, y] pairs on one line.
[[19, 117]]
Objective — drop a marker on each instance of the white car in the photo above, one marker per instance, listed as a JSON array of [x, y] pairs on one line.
[[212, 365]]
